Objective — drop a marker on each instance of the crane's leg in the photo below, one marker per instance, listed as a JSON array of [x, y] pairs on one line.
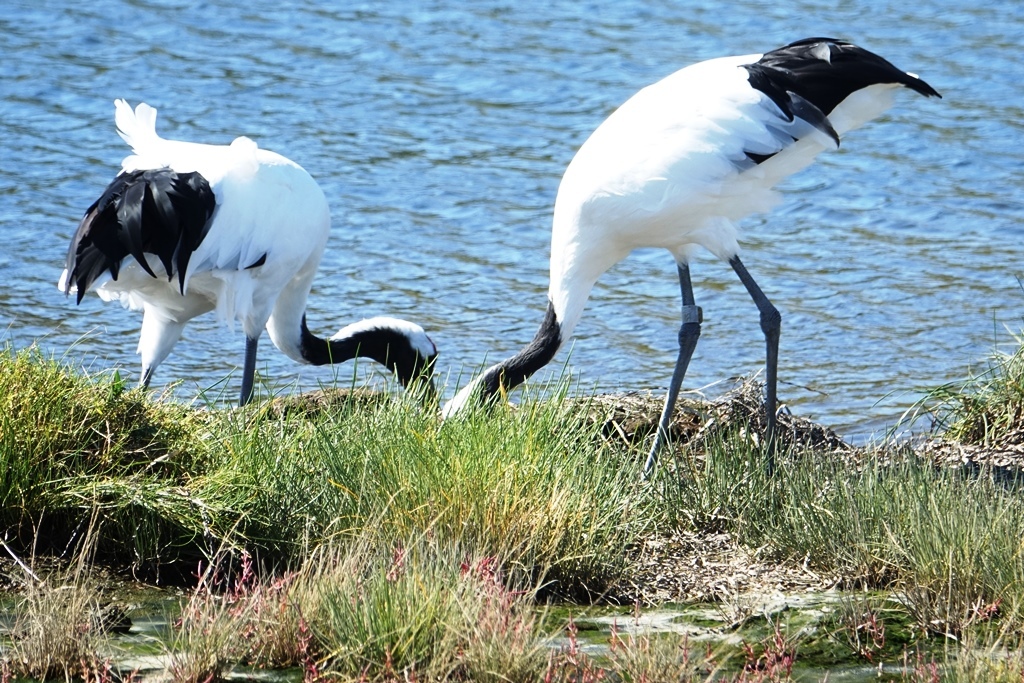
[[689, 332], [771, 324], [248, 370], [147, 375]]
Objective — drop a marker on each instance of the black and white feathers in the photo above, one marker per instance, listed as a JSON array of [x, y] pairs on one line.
[[680, 162], [159, 212], [189, 228]]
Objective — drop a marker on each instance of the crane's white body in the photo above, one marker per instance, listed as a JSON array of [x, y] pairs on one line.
[[679, 164], [667, 169], [252, 260], [266, 205]]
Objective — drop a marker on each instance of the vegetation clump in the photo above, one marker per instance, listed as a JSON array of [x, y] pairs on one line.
[[986, 409], [356, 537]]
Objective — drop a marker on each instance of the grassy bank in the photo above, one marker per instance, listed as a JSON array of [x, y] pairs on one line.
[[355, 536], [172, 485]]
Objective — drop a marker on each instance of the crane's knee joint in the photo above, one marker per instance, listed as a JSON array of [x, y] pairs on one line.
[[693, 316], [771, 320]]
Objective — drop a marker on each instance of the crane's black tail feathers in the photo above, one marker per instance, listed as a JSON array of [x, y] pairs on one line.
[[824, 72], [159, 212]]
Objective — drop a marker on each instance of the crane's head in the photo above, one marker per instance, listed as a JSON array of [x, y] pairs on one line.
[[401, 346]]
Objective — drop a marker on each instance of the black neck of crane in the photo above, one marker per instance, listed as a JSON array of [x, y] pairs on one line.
[[510, 373], [386, 346]]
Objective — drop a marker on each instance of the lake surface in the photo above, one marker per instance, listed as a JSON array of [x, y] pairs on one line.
[[439, 132]]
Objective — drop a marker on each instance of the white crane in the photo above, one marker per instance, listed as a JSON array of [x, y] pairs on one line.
[[677, 166], [188, 228]]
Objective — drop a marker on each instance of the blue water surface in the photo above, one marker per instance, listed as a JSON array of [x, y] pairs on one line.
[[439, 132]]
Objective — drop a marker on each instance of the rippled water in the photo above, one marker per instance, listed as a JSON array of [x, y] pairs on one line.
[[439, 132]]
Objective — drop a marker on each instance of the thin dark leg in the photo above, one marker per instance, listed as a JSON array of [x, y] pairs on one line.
[[147, 375], [248, 370], [771, 324], [689, 332]]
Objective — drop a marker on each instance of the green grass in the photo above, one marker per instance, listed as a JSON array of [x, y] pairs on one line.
[[985, 408], [173, 484], [949, 544], [422, 607], [946, 540], [57, 422], [71, 442], [415, 545]]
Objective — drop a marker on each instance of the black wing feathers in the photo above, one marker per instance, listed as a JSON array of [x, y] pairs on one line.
[[809, 78], [159, 212]]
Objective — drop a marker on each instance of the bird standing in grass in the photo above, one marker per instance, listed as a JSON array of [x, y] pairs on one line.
[[189, 228], [677, 166]]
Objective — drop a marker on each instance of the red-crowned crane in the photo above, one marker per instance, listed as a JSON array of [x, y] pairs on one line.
[[677, 166], [188, 228]]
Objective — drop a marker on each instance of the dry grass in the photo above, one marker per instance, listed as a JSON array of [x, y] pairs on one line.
[[62, 621], [630, 419]]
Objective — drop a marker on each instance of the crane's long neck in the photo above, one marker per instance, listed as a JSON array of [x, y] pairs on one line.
[[379, 344], [401, 346], [513, 371], [289, 332], [574, 270]]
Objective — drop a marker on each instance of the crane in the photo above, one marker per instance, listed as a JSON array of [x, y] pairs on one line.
[[188, 228], [676, 167]]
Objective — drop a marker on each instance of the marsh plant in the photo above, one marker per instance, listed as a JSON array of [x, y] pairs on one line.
[[637, 656], [54, 635], [370, 540], [986, 408], [173, 484], [418, 609], [359, 611], [60, 621], [994, 660], [233, 616], [947, 543]]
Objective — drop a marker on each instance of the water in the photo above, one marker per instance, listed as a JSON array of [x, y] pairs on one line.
[[439, 132], [813, 623]]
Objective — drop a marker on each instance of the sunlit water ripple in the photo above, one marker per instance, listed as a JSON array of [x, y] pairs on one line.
[[439, 132]]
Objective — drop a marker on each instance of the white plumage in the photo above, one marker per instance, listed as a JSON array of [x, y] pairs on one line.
[[189, 228], [678, 165]]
